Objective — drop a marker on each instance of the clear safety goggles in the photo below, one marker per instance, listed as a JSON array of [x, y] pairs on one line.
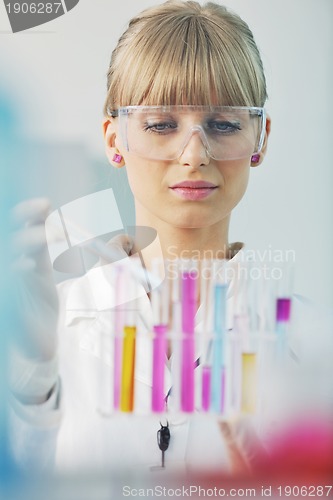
[[163, 132]]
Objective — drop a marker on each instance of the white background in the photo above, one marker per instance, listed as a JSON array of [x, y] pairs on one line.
[[57, 75]]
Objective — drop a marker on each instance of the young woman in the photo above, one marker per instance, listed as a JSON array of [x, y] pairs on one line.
[[185, 116], [195, 157]]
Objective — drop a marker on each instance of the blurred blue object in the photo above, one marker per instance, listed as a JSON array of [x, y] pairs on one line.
[[7, 309]]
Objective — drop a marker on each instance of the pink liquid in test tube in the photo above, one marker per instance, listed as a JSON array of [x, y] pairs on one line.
[[188, 317], [283, 308], [117, 371], [159, 352]]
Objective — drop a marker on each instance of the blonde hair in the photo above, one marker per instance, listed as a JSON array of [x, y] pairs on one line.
[[183, 53]]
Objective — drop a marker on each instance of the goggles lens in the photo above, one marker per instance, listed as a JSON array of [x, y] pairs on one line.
[[163, 132]]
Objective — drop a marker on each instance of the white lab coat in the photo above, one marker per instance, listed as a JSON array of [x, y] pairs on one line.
[[78, 433]]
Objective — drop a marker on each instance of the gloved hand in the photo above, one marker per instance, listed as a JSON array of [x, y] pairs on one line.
[[33, 365], [33, 362]]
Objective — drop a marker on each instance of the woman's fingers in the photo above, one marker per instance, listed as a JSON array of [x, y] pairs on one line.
[[116, 249], [124, 242], [239, 465], [245, 449], [29, 240], [248, 442]]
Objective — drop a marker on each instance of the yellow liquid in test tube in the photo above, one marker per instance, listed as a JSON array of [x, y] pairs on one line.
[[127, 379], [249, 383]]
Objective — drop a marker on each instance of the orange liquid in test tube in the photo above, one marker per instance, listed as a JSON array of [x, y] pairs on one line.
[[249, 383], [127, 379]]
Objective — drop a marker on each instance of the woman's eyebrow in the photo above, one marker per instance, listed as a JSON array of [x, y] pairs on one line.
[[221, 114], [160, 114]]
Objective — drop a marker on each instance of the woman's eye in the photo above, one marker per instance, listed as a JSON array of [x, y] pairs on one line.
[[160, 127], [223, 126]]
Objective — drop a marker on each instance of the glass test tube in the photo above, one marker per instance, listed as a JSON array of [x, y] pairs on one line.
[[218, 369], [118, 339], [159, 352], [249, 382], [206, 387], [206, 300], [160, 308], [246, 322], [127, 380], [129, 347], [188, 355]]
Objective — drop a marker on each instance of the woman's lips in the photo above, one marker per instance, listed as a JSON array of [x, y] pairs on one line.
[[193, 190]]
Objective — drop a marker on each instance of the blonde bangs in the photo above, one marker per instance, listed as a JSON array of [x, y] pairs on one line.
[[184, 58]]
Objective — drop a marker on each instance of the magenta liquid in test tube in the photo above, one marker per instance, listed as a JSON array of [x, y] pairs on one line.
[[283, 307], [159, 352], [187, 358], [160, 309], [206, 271], [283, 301]]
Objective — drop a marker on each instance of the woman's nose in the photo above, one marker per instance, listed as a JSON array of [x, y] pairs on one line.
[[194, 152]]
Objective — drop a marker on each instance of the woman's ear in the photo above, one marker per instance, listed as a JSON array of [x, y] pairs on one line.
[[258, 158], [110, 134]]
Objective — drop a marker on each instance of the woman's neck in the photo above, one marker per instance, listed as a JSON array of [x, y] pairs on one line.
[[177, 242]]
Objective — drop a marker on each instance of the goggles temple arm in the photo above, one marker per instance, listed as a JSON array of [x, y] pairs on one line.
[[113, 112], [263, 130]]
